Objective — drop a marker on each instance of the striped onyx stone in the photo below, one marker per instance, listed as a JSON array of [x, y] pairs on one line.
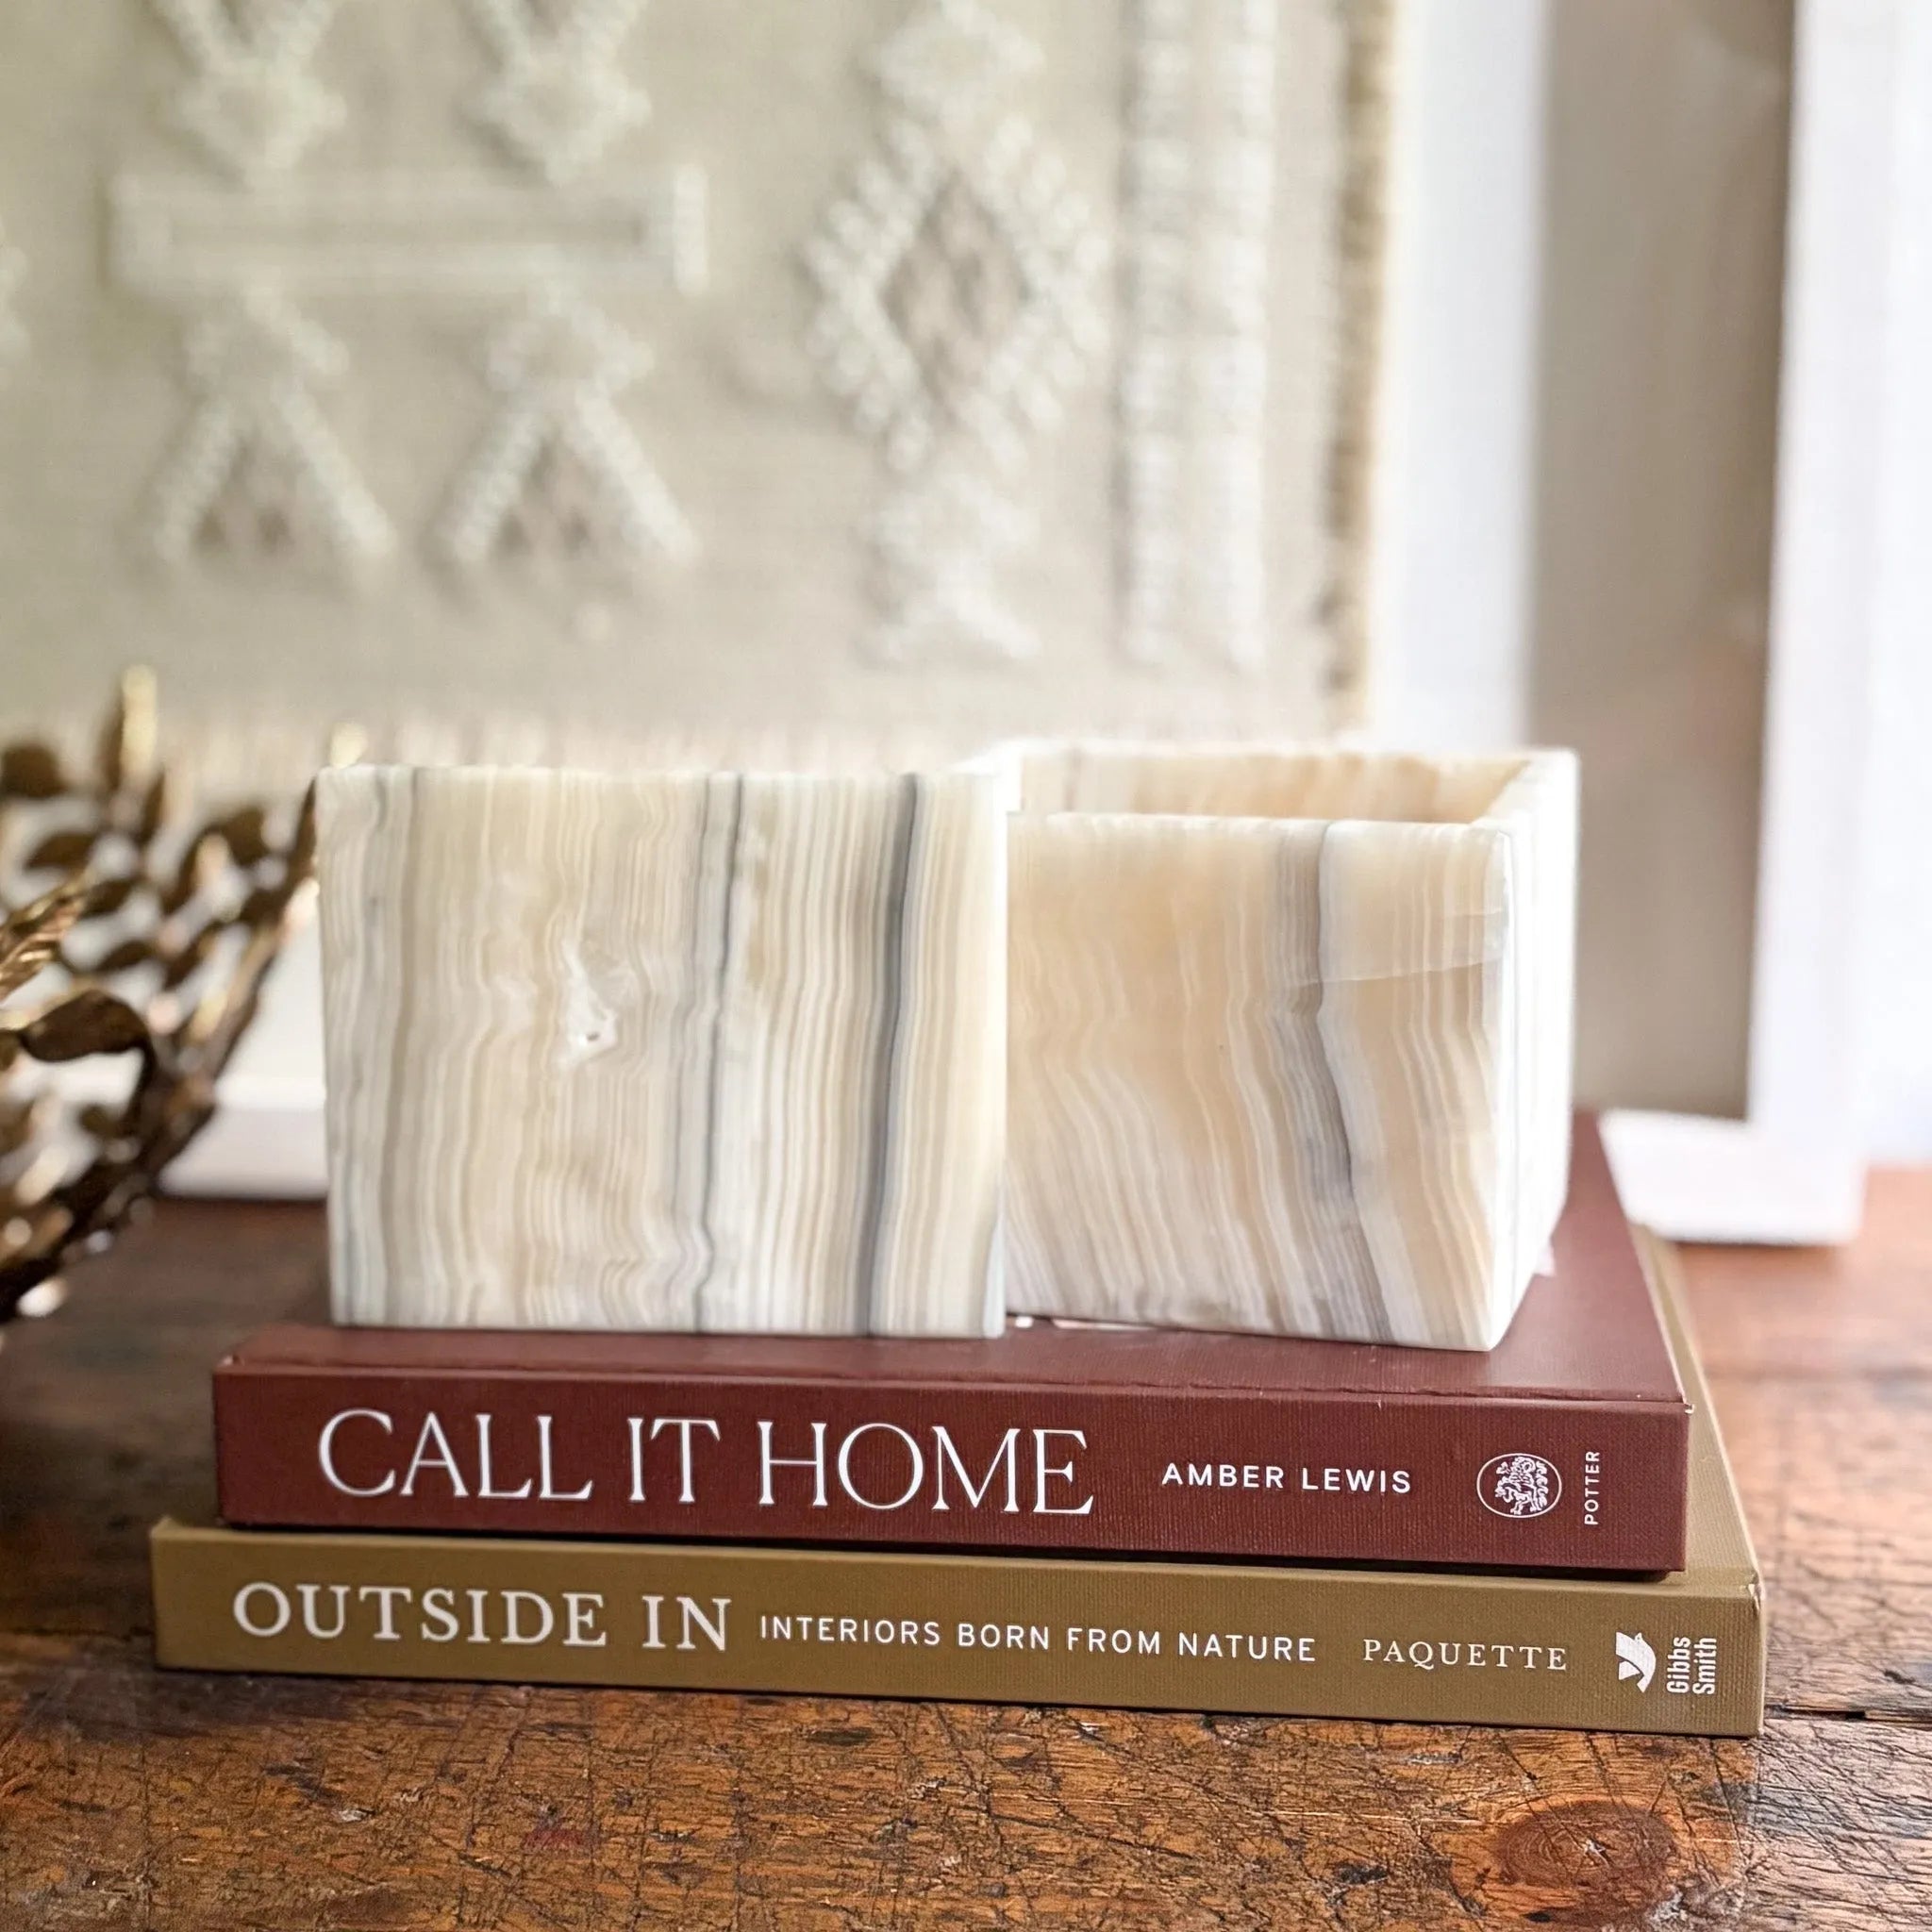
[[679, 1052], [1289, 1038]]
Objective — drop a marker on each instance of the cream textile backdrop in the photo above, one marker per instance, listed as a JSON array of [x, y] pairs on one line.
[[547, 376]]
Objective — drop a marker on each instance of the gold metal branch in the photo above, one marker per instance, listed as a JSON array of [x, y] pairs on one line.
[[153, 942]]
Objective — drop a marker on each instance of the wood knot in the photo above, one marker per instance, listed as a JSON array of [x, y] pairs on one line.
[[1590, 1862]]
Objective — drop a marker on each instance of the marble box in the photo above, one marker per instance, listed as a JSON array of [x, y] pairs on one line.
[[1289, 1038], [674, 1051]]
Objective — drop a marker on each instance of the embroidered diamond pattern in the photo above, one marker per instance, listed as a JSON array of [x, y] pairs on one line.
[[252, 103], [559, 99], [959, 294], [264, 506], [955, 295], [258, 470], [560, 473], [934, 548], [947, 61]]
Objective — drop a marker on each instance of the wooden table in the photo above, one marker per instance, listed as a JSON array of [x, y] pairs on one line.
[[129, 1798]]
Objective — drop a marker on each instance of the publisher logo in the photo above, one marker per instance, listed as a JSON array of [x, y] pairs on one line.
[[1518, 1485], [1634, 1659]]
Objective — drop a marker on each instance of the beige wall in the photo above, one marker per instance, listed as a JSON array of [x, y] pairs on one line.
[[1663, 272]]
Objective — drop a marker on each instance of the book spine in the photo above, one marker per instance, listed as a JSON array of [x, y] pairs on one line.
[[1491, 1650], [1532, 1483]]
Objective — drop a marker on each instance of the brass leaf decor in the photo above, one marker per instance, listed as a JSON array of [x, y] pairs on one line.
[[148, 950], [30, 939]]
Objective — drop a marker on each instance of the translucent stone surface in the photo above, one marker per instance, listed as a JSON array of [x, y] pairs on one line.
[[1289, 1038], [687, 1052]]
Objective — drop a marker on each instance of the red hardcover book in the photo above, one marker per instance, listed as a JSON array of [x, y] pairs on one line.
[[1565, 1447]]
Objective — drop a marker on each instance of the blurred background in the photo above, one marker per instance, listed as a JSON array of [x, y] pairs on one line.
[[583, 379]]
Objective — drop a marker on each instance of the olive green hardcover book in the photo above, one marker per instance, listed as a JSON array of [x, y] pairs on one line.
[[1683, 1653]]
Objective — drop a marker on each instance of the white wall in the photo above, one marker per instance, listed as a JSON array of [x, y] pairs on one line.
[[1457, 448], [1665, 218], [1896, 1009]]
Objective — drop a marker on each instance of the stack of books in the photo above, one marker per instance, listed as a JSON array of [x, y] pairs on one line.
[[1546, 1534]]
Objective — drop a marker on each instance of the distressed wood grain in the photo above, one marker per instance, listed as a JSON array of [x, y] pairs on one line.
[[129, 1798], [144, 1799], [1826, 1313], [1838, 1498], [105, 1409]]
